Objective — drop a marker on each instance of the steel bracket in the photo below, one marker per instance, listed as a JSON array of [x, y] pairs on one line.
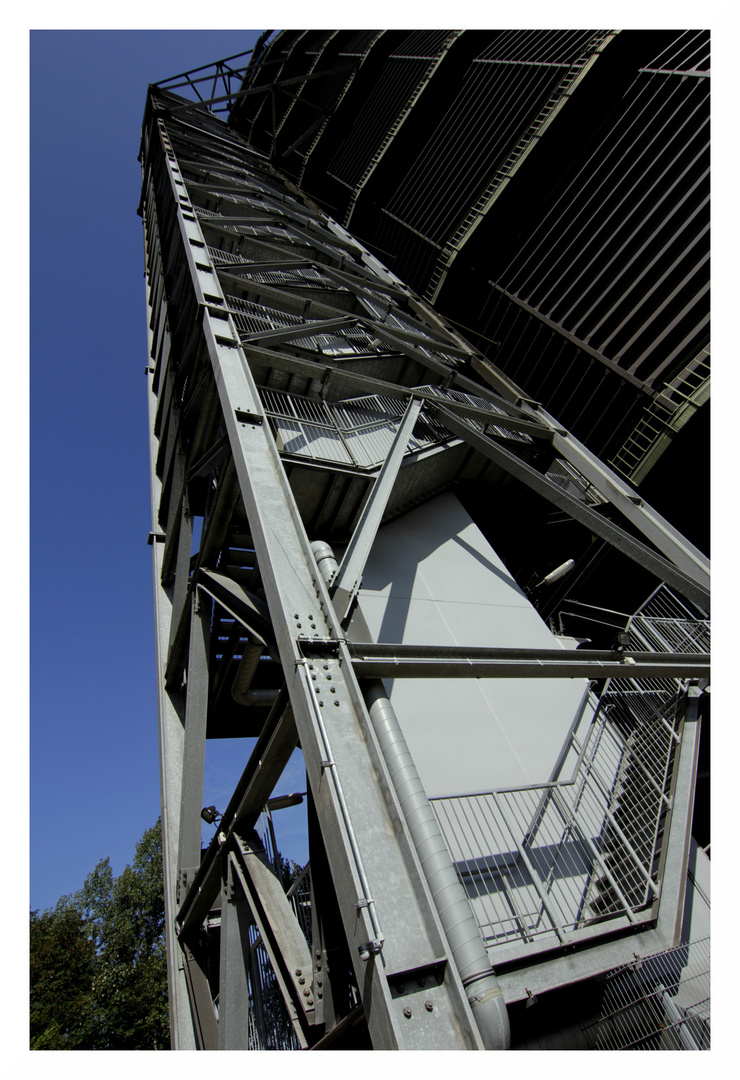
[[370, 948]]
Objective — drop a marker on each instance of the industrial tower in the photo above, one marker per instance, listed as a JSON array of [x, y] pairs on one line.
[[498, 816]]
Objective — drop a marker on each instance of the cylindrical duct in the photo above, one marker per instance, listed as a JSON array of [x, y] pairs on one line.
[[325, 560], [450, 898], [245, 672]]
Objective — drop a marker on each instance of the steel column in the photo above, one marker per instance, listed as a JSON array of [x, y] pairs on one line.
[[233, 996], [296, 594], [171, 739], [194, 747]]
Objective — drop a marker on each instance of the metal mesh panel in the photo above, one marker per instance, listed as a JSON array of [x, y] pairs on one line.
[[493, 428], [299, 895], [269, 1025], [253, 318], [269, 230], [356, 432], [659, 1002], [556, 859]]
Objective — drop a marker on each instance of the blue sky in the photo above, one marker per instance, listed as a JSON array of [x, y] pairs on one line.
[[94, 756]]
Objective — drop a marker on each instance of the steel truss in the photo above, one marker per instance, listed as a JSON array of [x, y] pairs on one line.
[[252, 292]]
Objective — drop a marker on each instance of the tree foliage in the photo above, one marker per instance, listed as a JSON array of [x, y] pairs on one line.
[[98, 964], [62, 966]]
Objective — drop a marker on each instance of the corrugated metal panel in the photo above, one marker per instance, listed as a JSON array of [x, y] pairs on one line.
[[621, 259], [401, 75], [495, 99]]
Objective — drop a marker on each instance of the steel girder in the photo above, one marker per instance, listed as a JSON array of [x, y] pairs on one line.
[[213, 454], [369, 851]]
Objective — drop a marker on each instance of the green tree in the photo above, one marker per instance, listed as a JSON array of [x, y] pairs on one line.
[[61, 970], [122, 995]]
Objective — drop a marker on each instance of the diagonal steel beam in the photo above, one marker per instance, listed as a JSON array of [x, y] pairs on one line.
[[242, 605], [280, 932], [258, 267], [205, 1025], [579, 511], [620, 494], [347, 582], [288, 333], [275, 745], [233, 988], [238, 94], [356, 383], [419, 338]]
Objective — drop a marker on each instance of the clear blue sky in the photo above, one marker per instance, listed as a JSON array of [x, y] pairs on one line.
[[94, 755]]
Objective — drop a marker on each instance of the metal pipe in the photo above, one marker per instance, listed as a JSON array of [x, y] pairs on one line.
[[245, 672], [260, 699], [451, 900], [325, 560]]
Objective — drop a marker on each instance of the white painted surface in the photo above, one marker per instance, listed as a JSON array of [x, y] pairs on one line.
[[432, 578]]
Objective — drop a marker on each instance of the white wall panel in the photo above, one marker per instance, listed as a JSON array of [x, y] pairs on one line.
[[432, 578]]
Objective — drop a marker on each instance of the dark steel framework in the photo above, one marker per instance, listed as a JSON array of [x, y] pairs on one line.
[[300, 395], [547, 191]]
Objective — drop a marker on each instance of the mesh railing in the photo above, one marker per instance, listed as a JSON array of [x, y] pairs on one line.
[[270, 1027], [659, 1002], [551, 861], [358, 433]]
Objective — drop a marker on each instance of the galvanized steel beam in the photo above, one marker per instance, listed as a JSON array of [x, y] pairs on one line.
[[385, 905], [233, 994], [171, 708], [659, 531], [347, 582], [579, 511], [374, 868], [194, 746], [399, 661], [281, 935], [354, 381], [273, 750]]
